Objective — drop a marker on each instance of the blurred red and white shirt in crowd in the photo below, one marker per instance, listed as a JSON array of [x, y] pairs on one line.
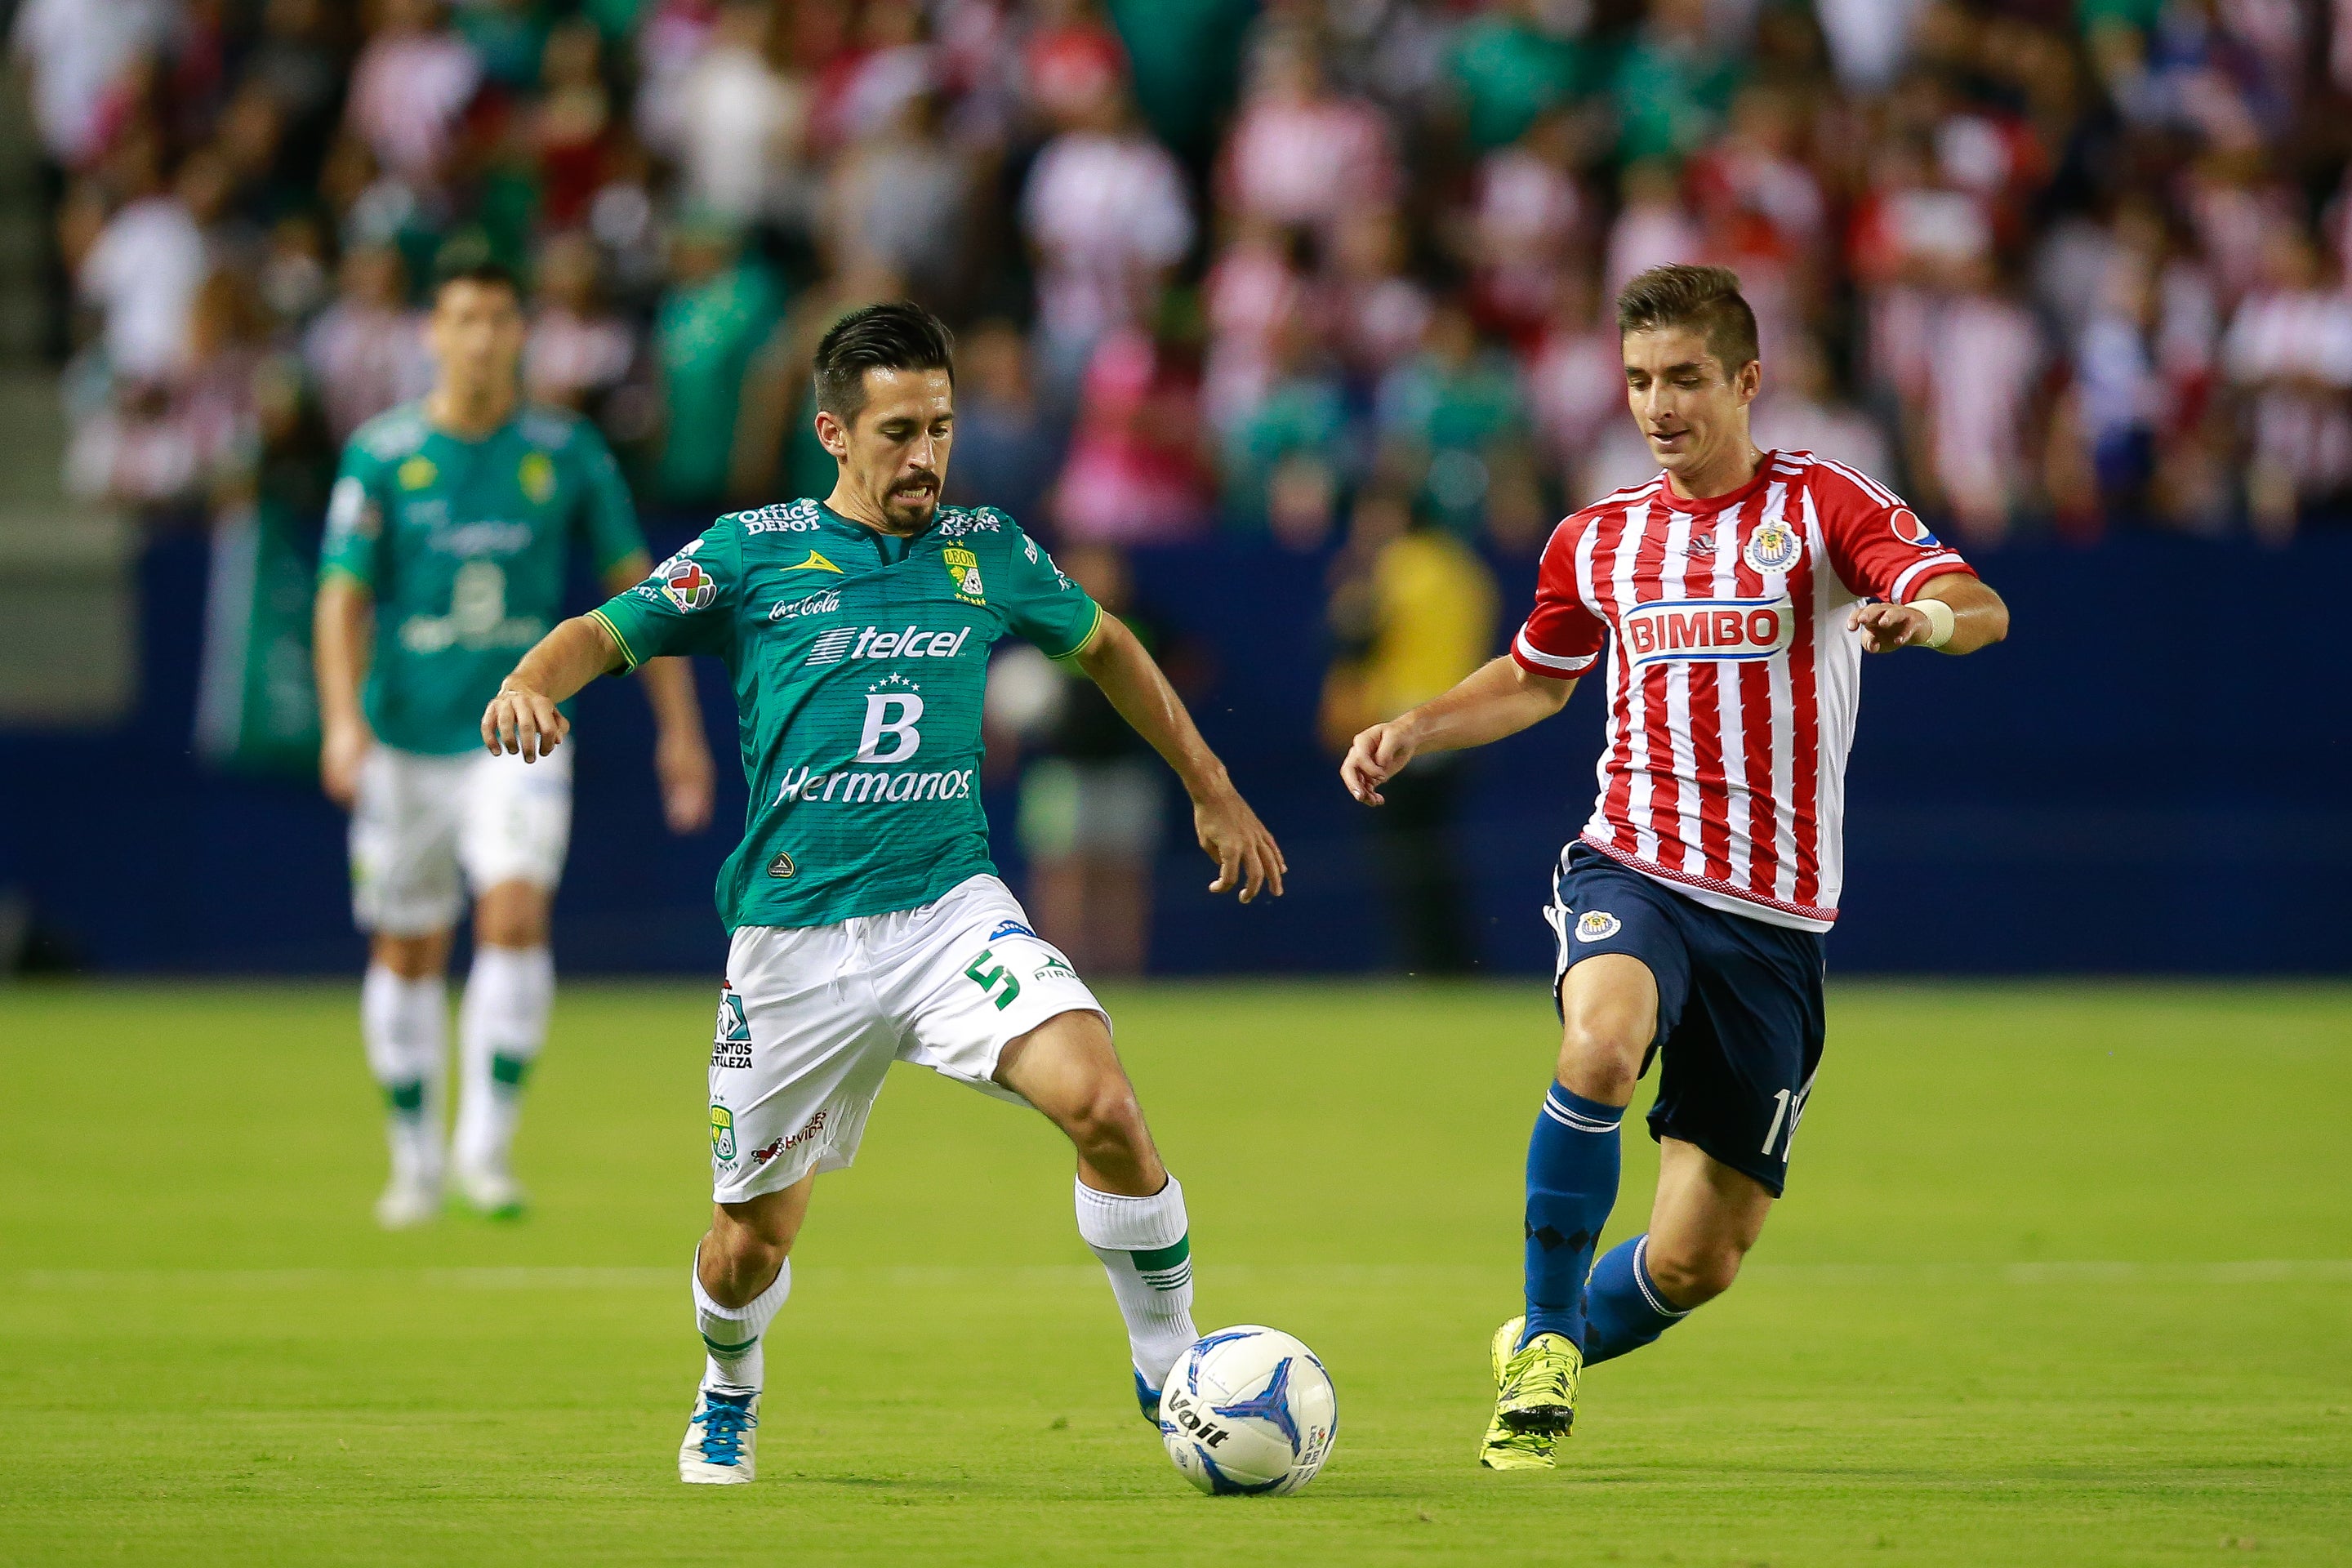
[[1985, 360], [1732, 676], [1527, 219], [1108, 213], [408, 88], [1297, 155], [2292, 349]]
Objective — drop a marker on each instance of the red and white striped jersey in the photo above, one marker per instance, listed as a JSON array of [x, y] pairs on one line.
[[1732, 676]]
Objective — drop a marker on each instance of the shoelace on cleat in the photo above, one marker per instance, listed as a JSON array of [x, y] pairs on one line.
[[724, 1423], [1543, 1375]]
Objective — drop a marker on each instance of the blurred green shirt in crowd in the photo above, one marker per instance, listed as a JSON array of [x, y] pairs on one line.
[[1185, 58], [710, 323], [1510, 73]]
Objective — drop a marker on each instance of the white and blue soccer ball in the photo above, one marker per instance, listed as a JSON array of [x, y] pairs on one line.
[[1248, 1412]]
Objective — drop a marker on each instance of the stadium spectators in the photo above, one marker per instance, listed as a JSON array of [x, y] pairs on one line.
[[2050, 268], [1412, 611]]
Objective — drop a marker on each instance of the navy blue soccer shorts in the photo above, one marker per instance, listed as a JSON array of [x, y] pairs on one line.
[[1740, 1007]]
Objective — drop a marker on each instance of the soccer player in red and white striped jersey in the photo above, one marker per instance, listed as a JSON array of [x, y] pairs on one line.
[[1731, 598]]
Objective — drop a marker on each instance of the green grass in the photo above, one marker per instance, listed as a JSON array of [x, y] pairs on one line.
[[2064, 1275]]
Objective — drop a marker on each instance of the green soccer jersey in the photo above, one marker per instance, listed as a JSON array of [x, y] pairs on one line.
[[859, 662], [463, 545]]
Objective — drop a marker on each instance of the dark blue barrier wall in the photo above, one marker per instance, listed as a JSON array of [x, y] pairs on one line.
[[2149, 775]]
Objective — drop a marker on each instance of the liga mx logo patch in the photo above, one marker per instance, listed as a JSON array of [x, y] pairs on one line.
[[1772, 548], [686, 584], [965, 567], [1597, 925]]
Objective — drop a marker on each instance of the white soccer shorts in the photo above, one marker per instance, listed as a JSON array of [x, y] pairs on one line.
[[425, 828], [812, 1017]]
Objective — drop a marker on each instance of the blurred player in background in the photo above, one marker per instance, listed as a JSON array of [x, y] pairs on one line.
[[1091, 805], [867, 923], [448, 537], [1412, 611], [1735, 593]]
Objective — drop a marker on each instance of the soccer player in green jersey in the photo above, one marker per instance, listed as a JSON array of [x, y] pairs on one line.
[[867, 922], [447, 541]]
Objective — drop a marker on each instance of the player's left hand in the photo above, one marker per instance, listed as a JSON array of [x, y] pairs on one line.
[[1886, 627], [520, 722], [682, 764], [1246, 855]]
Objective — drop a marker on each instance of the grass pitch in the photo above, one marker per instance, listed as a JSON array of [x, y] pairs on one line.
[[2064, 1275]]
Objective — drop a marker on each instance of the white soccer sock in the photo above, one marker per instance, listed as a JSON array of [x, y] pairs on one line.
[[501, 1025], [1146, 1248], [405, 1025], [733, 1359]]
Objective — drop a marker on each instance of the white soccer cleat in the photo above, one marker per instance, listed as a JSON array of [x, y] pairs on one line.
[[719, 1440], [491, 1192], [407, 1203]]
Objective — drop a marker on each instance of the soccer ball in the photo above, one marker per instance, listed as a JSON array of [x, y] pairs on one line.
[[1248, 1411]]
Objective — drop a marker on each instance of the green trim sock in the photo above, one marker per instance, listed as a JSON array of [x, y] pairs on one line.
[[732, 1351], [405, 1025], [1145, 1246], [501, 1027]]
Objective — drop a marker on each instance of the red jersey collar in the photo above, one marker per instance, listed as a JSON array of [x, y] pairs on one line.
[[1707, 505]]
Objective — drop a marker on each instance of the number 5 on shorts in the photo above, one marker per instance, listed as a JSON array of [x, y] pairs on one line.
[[989, 978]]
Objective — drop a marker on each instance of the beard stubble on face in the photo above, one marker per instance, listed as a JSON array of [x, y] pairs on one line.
[[910, 510]]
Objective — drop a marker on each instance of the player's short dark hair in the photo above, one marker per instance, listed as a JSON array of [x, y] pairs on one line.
[[1704, 298], [488, 273], [899, 335]]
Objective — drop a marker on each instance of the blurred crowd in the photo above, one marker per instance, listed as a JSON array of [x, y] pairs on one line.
[[2048, 265]]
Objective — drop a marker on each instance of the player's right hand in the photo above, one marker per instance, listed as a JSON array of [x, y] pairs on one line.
[[522, 723], [342, 750], [1378, 755]]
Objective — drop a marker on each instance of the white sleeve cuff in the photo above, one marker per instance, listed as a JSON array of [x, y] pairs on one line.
[[1899, 593], [1529, 654]]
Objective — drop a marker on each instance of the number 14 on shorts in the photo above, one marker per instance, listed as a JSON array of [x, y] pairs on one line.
[[1788, 1110]]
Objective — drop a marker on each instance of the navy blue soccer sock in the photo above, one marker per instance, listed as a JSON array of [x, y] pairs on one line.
[[1572, 1187], [1623, 1307]]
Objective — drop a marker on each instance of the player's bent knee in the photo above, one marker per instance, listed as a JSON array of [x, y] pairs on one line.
[[411, 957], [1601, 1060], [1104, 1116], [1692, 1278], [512, 915], [739, 1258]]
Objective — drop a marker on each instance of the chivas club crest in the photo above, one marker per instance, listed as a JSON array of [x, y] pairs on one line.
[[1773, 548]]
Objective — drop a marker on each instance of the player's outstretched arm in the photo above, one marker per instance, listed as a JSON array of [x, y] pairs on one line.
[[522, 720], [1246, 855], [1501, 698], [1977, 618], [681, 752]]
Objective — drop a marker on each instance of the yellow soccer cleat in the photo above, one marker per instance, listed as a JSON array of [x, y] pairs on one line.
[[1506, 1447], [1536, 1384]]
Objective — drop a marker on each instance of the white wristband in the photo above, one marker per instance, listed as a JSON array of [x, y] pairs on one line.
[[1941, 620]]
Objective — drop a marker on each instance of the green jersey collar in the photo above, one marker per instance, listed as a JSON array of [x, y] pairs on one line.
[[892, 548]]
